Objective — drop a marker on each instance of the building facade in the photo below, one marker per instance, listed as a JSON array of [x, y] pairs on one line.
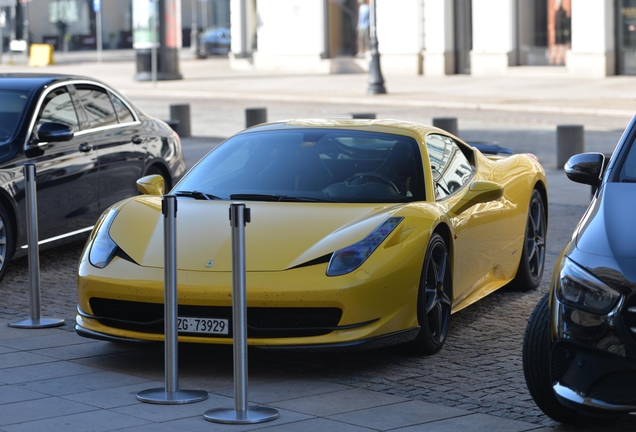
[[71, 24], [591, 38]]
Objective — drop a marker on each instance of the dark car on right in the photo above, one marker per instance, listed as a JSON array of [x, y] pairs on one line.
[[579, 349]]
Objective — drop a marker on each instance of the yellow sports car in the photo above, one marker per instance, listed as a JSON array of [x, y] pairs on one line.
[[363, 233]]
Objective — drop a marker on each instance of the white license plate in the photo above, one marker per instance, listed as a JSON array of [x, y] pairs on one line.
[[202, 325]]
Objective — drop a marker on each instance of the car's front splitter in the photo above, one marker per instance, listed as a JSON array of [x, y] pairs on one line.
[[399, 337]]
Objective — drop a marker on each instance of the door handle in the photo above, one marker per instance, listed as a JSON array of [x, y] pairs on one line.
[[85, 147], [137, 139]]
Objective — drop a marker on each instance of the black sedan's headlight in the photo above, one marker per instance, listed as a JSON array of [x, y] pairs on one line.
[[580, 289], [104, 248]]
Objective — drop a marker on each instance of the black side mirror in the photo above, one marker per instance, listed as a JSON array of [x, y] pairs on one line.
[[53, 132], [586, 168]]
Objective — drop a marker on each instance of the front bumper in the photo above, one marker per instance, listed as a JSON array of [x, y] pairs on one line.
[[591, 363], [371, 311]]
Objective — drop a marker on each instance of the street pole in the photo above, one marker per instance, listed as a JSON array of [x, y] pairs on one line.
[[194, 31], [376, 82]]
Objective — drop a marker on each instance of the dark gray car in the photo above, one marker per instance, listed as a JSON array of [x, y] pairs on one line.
[[579, 350]]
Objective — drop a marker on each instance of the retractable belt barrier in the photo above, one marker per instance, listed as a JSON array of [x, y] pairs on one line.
[[242, 413], [171, 394], [35, 321]]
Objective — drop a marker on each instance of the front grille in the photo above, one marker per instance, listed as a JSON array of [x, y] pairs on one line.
[[618, 389], [629, 316], [561, 359], [261, 322]]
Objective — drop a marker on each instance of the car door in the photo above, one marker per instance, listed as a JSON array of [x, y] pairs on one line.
[[66, 172], [478, 238], [117, 137]]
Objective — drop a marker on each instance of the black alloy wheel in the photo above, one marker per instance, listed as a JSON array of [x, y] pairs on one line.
[[6, 241], [530, 271], [434, 299]]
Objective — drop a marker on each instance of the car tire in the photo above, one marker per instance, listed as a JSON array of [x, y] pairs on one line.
[[6, 241], [535, 356], [434, 299], [532, 262]]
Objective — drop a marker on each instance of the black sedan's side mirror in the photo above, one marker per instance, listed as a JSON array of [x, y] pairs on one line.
[[53, 132], [586, 168]]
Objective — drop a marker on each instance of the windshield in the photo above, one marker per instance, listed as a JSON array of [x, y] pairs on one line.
[[12, 103], [330, 165]]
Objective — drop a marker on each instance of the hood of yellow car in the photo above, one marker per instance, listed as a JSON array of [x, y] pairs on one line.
[[280, 235]]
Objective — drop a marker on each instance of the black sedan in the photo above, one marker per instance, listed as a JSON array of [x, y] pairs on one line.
[[579, 350], [89, 145]]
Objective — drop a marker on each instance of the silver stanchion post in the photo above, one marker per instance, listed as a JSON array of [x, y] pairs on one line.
[[171, 394], [242, 414], [35, 321]]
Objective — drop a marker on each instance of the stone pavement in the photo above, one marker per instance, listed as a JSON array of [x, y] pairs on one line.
[[51, 379]]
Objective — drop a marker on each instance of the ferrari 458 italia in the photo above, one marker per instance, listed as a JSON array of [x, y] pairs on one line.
[[363, 233]]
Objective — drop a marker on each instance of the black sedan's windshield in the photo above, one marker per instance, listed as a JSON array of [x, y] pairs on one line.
[[12, 103], [311, 165]]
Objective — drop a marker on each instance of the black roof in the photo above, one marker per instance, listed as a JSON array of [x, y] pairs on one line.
[[30, 81]]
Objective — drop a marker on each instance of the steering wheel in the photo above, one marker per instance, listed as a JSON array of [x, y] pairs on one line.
[[372, 177]]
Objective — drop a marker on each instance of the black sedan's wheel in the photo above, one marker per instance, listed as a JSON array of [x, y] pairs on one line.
[[434, 300], [536, 366], [6, 241], [530, 271]]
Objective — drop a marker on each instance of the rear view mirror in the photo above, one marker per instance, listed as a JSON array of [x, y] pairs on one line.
[[53, 132], [586, 168], [151, 185]]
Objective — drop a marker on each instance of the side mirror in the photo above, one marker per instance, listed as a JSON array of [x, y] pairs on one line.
[[478, 192], [586, 168], [151, 185], [54, 132]]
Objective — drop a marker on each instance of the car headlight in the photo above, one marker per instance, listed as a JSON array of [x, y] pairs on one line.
[[581, 290], [348, 259], [104, 248]]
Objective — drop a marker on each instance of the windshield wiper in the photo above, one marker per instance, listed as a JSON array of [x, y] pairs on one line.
[[197, 195], [280, 198]]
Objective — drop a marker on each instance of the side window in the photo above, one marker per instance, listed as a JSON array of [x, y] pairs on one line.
[[97, 106], [451, 170], [58, 107], [123, 113]]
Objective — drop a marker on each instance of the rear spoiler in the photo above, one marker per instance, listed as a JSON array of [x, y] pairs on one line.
[[487, 148]]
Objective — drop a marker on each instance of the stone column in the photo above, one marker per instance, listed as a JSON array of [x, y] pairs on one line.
[[592, 54], [439, 40], [493, 37]]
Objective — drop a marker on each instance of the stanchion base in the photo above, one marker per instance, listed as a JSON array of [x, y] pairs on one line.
[[254, 414], [37, 323], [163, 397]]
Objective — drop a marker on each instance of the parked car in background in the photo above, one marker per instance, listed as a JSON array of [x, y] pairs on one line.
[[363, 233], [579, 349], [214, 41], [89, 146]]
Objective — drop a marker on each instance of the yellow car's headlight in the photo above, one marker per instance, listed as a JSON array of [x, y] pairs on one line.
[[348, 259], [104, 248]]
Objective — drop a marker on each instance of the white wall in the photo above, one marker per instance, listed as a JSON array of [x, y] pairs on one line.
[[290, 27], [398, 26]]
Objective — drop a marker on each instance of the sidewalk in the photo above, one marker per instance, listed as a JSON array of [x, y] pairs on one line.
[[52, 379]]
